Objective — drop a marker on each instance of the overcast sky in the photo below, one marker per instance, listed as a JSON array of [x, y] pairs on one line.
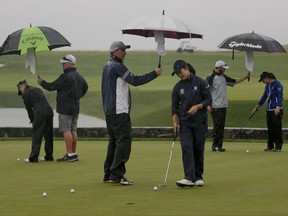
[[94, 24]]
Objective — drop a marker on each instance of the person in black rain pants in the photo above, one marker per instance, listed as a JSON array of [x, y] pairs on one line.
[[40, 114], [190, 98]]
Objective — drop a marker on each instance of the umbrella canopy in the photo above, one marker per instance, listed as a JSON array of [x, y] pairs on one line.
[[170, 26], [37, 37], [252, 42], [160, 27], [32, 39]]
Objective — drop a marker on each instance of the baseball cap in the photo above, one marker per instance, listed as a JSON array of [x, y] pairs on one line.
[[19, 84], [265, 74], [178, 65], [118, 45], [221, 63], [69, 59]]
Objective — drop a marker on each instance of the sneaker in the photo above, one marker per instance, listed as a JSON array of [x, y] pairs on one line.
[[199, 182], [68, 158], [27, 160], [268, 149], [217, 149], [184, 183], [277, 150], [46, 159], [125, 181]]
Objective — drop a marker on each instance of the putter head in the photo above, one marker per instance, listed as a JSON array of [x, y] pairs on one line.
[[162, 186]]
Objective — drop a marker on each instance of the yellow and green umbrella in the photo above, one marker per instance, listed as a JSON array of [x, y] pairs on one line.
[[32, 39]]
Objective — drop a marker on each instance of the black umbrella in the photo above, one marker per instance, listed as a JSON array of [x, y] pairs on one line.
[[251, 42]]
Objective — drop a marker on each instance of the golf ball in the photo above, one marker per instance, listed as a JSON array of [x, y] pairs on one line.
[[155, 188], [247, 150], [18, 159], [72, 190], [44, 194]]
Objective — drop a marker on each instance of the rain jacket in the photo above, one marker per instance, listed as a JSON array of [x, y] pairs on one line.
[[116, 78], [36, 103], [70, 86], [274, 93], [187, 93]]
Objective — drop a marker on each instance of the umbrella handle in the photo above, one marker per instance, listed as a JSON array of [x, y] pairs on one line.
[[159, 63], [249, 76]]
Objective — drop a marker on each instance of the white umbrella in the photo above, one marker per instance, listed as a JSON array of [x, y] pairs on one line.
[[160, 27]]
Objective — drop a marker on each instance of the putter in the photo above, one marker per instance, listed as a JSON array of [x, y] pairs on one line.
[[169, 161], [245, 123]]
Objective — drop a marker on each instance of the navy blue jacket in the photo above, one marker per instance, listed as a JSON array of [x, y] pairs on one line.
[[274, 93], [70, 86], [116, 78], [187, 93]]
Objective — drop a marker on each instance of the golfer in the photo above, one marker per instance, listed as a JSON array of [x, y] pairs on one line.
[[40, 114], [70, 87], [218, 83], [116, 100], [190, 98], [274, 110]]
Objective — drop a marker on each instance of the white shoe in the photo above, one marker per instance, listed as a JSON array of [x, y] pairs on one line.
[[199, 182], [26, 160], [42, 159], [185, 183]]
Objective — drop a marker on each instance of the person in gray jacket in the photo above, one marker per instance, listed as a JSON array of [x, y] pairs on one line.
[[116, 100], [40, 114], [70, 87]]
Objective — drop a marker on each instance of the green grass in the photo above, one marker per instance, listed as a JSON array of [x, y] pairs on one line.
[[237, 183], [150, 102]]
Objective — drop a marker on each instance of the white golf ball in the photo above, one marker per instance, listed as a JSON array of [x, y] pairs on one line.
[[44, 194], [18, 159], [247, 150], [72, 190], [155, 188]]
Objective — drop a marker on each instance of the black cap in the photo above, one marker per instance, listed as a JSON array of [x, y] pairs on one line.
[[265, 74], [18, 85], [178, 65]]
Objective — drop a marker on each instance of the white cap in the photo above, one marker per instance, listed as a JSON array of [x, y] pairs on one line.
[[221, 63], [69, 59]]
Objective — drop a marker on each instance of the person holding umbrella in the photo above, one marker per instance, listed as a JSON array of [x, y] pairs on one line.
[[40, 114], [218, 83], [274, 110], [190, 98], [70, 87], [116, 100]]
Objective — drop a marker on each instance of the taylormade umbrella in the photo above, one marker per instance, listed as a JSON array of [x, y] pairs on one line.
[[29, 40], [161, 27], [251, 42]]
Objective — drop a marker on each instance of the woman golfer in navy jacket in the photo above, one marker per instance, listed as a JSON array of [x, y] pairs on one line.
[[274, 110], [190, 98]]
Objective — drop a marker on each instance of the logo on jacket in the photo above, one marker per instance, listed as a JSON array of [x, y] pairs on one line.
[[182, 91]]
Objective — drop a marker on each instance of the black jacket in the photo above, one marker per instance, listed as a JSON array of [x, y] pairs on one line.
[[36, 103], [187, 93], [70, 86]]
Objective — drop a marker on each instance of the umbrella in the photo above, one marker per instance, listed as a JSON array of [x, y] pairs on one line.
[[31, 39], [251, 42], [160, 27]]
